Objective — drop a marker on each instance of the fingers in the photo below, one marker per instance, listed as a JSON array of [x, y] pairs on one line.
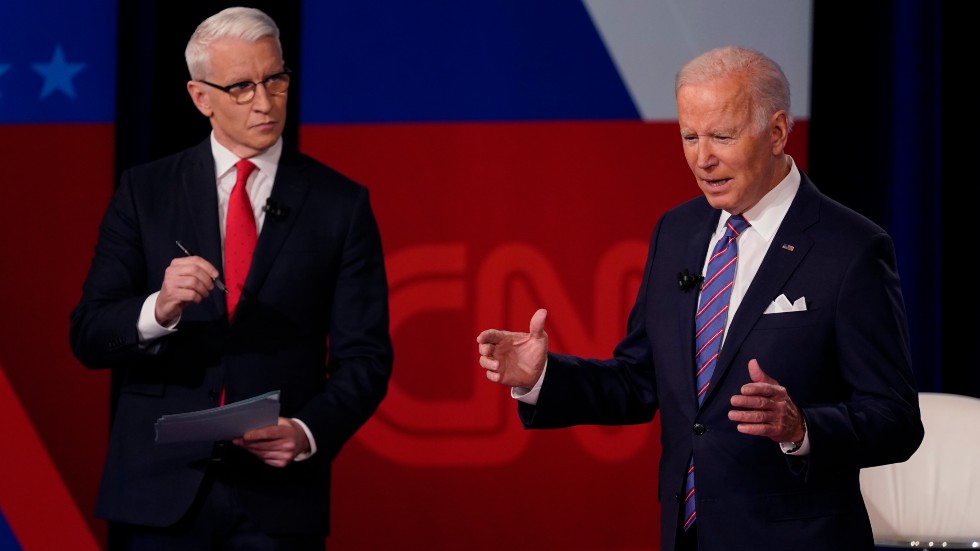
[[515, 359], [753, 402], [264, 436], [195, 266], [757, 374], [185, 281], [765, 408], [494, 336], [537, 323], [762, 384], [758, 415], [189, 279], [275, 445], [489, 363], [781, 423], [750, 416], [486, 349], [488, 341], [489, 336]]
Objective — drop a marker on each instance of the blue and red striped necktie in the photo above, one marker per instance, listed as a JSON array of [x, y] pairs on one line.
[[709, 324]]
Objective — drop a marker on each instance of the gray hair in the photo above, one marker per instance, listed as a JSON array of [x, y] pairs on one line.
[[248, 24], [766, 82]]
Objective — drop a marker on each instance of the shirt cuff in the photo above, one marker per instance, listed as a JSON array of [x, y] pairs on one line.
[[529, 395], [309, 436], [799, 449], [147, 327]]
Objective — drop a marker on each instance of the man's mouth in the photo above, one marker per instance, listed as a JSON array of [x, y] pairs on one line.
[[715, 181]]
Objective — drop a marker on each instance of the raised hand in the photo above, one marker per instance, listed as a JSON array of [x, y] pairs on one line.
[[515, 359], [766, 408]]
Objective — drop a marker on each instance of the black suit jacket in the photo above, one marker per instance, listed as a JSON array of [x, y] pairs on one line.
[[312, 322], [845, 361]]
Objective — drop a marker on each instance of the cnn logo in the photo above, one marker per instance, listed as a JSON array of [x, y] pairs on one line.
[[479, 426]]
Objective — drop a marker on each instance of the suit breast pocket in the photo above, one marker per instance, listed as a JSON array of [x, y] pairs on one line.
[[786, 320]]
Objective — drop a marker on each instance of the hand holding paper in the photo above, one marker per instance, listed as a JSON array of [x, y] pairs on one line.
[[220, 423]]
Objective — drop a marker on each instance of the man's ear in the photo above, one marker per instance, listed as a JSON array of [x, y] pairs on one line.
[[779, 132], [200, 97]]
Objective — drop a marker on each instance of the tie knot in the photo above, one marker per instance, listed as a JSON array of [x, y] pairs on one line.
[[737, 224], [244, 167]]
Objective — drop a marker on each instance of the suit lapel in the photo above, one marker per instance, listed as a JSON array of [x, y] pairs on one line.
[[777, 266], [200, 195], [289, 191]]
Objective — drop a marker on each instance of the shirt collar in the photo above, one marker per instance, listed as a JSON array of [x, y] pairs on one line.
[[224, 159], [766, 215]]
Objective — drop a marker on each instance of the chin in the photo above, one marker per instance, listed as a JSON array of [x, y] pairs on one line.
[[263, 144], [716, 201]]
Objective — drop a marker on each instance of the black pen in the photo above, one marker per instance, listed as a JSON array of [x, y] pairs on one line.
[[217, 282]]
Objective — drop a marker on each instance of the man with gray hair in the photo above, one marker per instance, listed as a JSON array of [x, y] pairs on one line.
[[233, 269], [769, 331]]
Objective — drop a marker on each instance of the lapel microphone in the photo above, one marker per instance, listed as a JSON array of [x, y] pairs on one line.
[[687, 281], [274, 210]]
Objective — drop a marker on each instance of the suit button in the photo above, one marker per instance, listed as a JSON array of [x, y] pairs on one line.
[[699, 429], [213, 394], [677, 497]]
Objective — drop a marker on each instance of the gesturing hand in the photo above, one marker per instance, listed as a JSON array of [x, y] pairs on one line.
[[515, 359], [766, 409]]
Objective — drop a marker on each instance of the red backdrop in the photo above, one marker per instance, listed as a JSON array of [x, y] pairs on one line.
[[482, 224]]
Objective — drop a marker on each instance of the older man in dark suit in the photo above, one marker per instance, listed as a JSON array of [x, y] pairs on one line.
[[778, 359]]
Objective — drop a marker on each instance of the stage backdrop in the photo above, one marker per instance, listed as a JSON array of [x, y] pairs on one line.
[[57, 101], [518, 155]]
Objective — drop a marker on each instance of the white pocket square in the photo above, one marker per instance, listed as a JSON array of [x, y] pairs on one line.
[[782, 305]]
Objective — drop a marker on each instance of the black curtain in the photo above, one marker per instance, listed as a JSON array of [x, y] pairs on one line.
[[883, 141]]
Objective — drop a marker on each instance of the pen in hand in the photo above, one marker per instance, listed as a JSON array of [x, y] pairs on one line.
[[217, 282]]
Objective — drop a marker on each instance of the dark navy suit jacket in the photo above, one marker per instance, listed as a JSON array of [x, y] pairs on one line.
[[845, 362], [312, 322]]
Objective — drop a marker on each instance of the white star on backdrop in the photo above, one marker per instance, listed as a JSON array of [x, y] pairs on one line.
[[58, 74]]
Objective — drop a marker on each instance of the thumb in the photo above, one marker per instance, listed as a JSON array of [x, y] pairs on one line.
[[537, 324], [757, 374]]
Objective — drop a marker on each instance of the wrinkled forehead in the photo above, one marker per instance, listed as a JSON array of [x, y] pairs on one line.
[[719, 105]]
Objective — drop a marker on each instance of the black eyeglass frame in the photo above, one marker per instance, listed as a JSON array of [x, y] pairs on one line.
[[250, 86]]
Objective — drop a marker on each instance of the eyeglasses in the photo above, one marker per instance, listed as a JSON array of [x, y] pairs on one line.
[[244, 92]]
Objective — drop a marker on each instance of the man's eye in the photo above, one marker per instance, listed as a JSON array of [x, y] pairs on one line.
[[239, 87]]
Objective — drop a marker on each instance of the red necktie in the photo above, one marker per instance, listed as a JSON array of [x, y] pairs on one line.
[[240, 236]]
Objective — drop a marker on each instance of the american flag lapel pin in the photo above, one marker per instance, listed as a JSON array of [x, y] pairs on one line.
[[789, 247]]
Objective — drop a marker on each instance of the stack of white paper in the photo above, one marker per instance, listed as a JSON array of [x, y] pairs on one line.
[[220, 423]]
